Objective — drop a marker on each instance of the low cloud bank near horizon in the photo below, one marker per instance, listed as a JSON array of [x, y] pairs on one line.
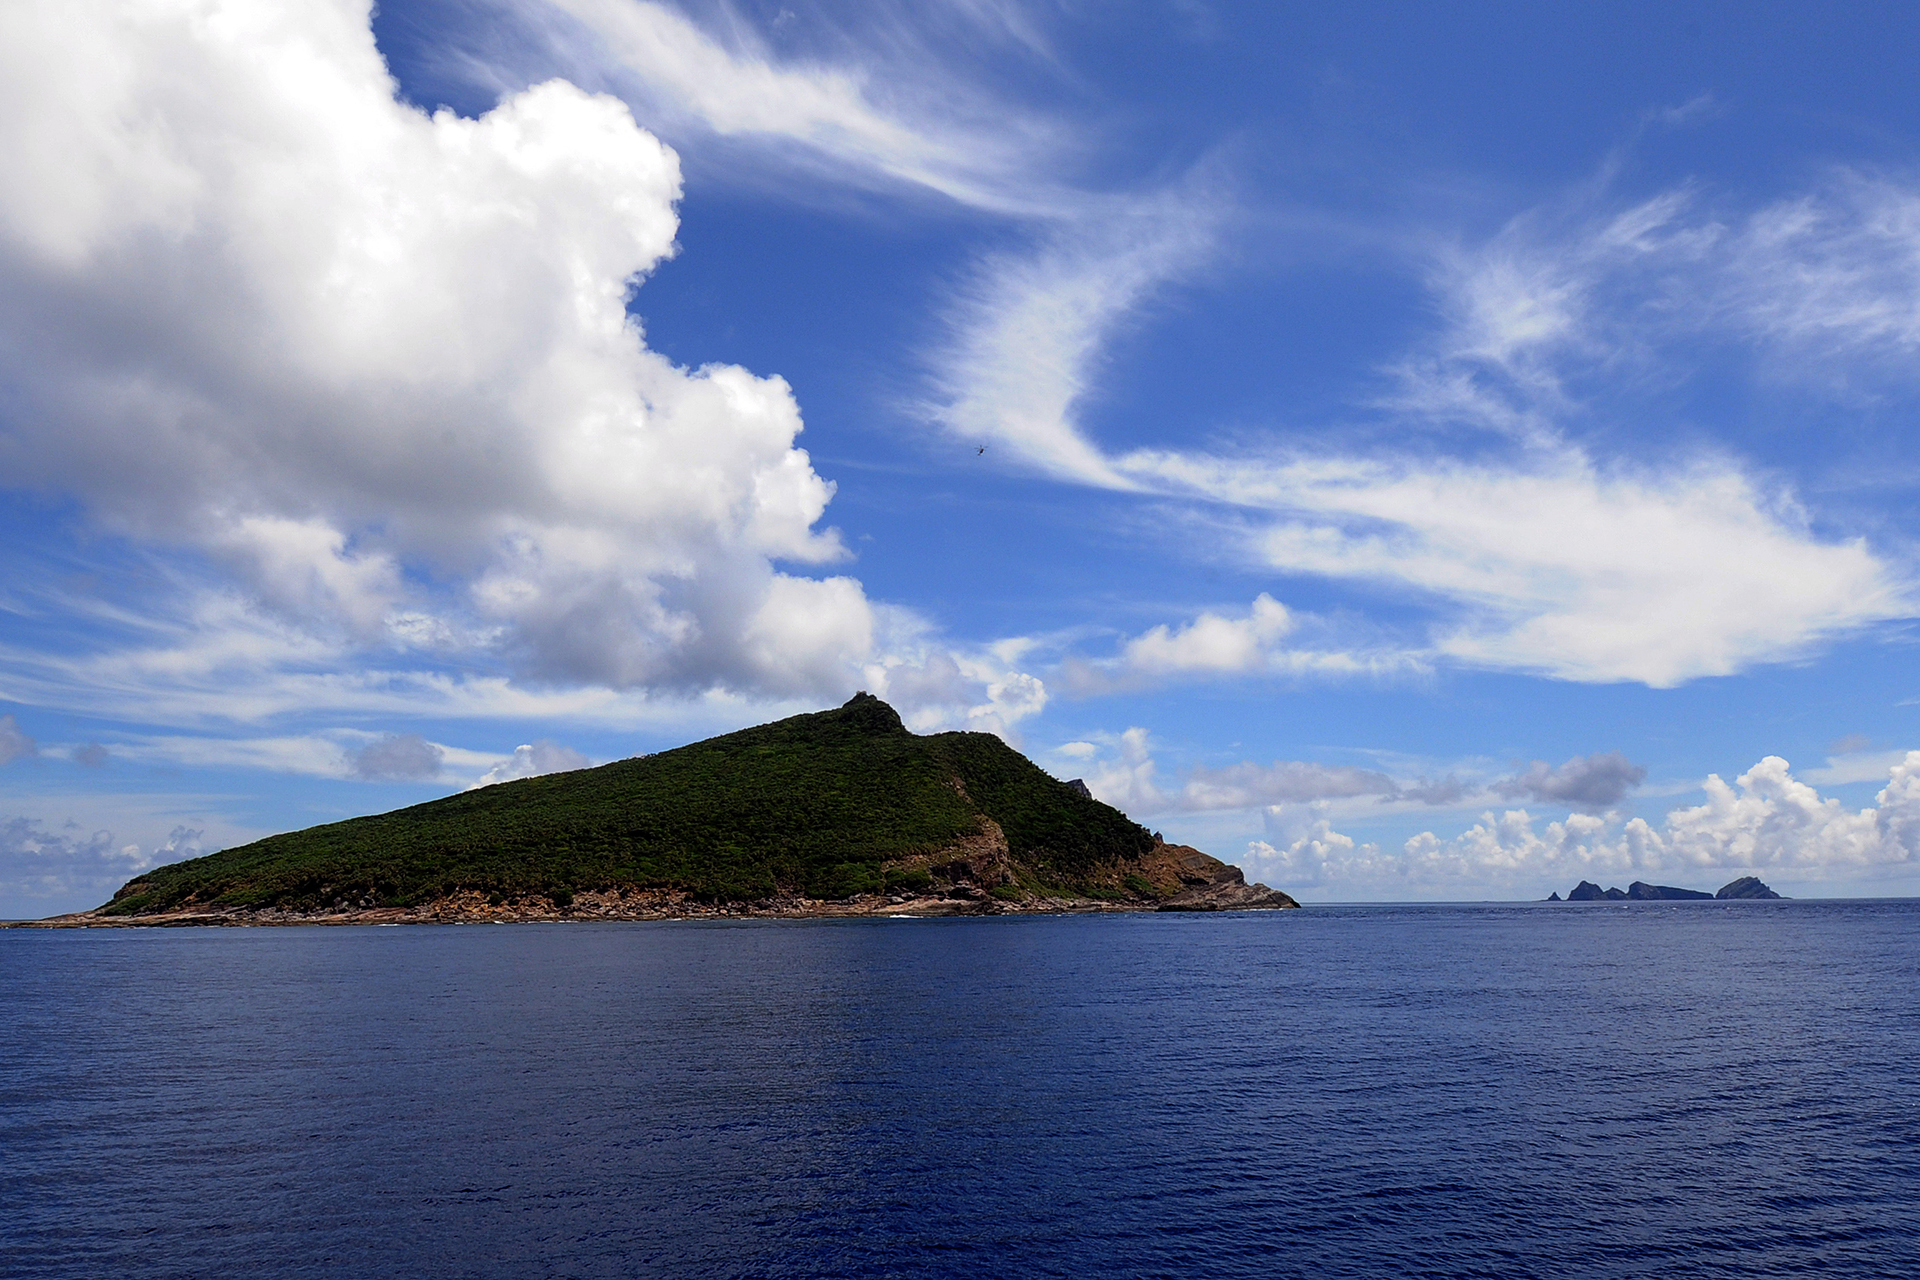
[[1128, 778], [1766, 819], [38, 864]]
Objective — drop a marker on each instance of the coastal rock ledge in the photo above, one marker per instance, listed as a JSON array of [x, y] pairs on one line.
[[1208, 884]]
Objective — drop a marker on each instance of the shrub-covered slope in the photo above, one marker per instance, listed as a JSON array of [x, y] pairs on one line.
[[826, 805]]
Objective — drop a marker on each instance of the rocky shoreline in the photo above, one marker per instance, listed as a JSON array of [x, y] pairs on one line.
[[1204, 884]]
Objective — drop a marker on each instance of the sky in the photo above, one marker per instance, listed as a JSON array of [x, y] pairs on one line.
[[1413, 452]]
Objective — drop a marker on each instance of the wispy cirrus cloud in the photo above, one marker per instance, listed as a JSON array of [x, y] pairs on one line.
[[532, 515], [343, 753], [1023, 328], [1026, 332], [1560, 568], [1833, 273], [1536, 554], [880, 100]]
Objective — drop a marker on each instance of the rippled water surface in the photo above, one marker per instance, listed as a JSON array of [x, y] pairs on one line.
[[1655, 1089]]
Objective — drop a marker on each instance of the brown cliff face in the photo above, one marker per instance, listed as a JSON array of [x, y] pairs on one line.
[[1168, 877], [1190, 880]]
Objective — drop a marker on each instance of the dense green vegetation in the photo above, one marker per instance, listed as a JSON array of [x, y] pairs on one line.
[[819, 804]]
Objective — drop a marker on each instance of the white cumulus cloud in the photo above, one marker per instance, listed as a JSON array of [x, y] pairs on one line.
[[1127, 781], [1213, 643], [938, 687], [1219, 645], [530, 760], [379, 362]]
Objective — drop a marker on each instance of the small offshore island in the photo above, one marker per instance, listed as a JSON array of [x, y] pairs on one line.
[[1749, 887], [837, 813]]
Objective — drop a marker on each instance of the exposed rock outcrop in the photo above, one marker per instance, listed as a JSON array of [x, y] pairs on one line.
[[1206, 883]]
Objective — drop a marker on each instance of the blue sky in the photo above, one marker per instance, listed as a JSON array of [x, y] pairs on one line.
[[1415, 452]]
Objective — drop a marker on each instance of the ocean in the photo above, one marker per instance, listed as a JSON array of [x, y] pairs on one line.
[[1634, 1090]]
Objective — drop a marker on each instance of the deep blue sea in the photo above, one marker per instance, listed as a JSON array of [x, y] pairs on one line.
[[1648, 1089]]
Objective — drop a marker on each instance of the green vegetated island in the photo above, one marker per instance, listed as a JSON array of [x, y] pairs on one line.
[[842, 812]]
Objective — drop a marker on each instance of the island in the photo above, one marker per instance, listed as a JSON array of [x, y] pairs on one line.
[[837, 813], [1746, 887], [1641, 891]]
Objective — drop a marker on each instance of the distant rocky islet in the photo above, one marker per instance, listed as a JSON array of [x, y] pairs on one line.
[[1746, 887]]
